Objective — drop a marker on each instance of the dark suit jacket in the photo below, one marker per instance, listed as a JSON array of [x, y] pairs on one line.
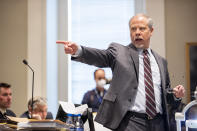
[[8, 113], [26, 115], [124, 63]]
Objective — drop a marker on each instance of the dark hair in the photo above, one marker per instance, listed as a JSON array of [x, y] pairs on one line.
[[97, 70], [4, 85]]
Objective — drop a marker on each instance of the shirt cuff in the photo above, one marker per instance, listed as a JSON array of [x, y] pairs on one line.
[[176, 99], [78, 52]]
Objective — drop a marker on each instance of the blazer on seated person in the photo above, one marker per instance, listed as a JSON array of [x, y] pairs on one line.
[[7, 113]]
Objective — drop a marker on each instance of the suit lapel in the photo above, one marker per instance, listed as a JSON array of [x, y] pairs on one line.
[[163, 84], [135, 58]]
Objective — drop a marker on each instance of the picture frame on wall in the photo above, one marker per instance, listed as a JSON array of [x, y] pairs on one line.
[[191, 70]]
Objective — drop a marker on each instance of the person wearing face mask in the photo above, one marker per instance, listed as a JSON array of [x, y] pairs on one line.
[[93, 98]]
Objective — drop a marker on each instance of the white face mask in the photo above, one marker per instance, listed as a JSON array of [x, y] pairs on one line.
[[101, 83]]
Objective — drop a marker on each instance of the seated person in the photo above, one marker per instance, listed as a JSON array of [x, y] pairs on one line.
[[93, 98], [39, 109], [5, 101]]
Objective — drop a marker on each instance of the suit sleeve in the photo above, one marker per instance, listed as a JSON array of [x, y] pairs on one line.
[[97, 57], [171, 99]]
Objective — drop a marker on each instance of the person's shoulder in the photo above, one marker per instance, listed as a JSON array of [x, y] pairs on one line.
[[90, 92], [87, 96], [117, 45], [115, 48], [49, 115], [10, 113], [25, 114], [158, 55]]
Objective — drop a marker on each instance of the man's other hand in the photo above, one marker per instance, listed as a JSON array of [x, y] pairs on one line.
[[179, 91]]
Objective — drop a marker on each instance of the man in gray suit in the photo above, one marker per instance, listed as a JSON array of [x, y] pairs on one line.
[[140, 91]]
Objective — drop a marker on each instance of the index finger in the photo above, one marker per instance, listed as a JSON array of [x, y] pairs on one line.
[[61, 42]]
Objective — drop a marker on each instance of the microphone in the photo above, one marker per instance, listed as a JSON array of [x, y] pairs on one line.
[[108, 81], [26, 63]]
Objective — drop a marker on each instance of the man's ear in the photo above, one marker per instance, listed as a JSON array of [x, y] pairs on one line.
[[151, 30]]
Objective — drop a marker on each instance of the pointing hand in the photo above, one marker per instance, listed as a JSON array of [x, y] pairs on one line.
[[69, 47]]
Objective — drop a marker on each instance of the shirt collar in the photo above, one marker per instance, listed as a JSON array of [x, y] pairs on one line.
[[141, 50], [2, 110]]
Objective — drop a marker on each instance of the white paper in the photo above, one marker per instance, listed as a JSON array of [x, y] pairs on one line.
[[70, 108], [81, 109]]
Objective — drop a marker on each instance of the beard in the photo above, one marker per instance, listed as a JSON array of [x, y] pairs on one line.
[[139, 45]]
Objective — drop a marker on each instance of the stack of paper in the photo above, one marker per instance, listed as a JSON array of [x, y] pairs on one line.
[[70, 108]]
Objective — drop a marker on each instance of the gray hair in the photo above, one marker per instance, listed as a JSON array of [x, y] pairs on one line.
[[150, 21], [37, 101]]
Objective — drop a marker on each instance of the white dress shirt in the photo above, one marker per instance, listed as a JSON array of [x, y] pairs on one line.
[[140, 100], [2, 110]]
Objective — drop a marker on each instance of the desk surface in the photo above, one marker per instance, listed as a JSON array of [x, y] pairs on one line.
[[4, 127]]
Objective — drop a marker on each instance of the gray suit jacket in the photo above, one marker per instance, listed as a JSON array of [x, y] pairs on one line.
[[124, 63]]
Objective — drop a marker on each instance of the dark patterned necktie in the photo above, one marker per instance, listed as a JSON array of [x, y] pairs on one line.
[[149, 88]]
